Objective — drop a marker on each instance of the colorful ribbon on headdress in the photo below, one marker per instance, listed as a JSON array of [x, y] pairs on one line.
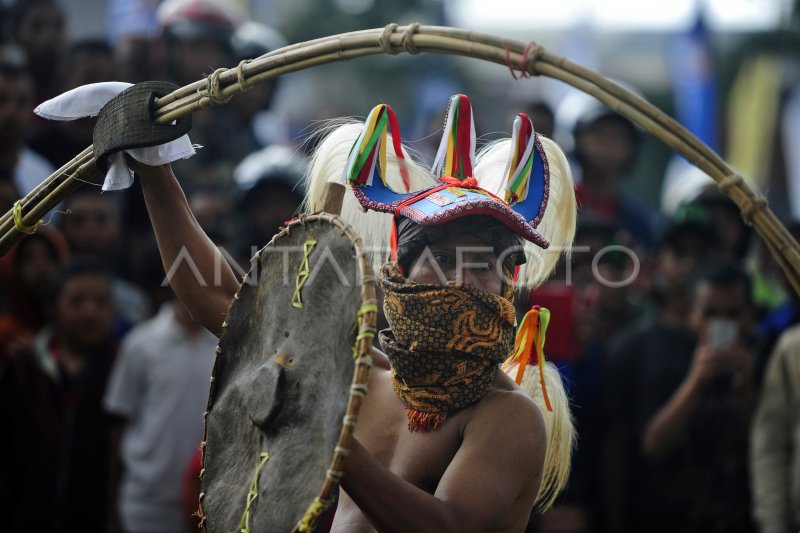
[[368, 155], [456, 154], [530, 341], [520, 164]]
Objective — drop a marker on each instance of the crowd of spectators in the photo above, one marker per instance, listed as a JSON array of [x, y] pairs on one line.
[[104, 376], [664, 326], [663, 330]]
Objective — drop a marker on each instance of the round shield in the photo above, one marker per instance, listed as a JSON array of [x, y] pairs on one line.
[[290, 374]]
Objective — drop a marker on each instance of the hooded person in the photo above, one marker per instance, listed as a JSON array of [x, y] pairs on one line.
[[514, 205]]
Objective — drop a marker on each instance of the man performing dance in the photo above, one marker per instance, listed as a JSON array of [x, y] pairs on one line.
[[445, 440]]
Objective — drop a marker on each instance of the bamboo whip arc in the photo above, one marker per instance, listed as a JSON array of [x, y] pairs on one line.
[[526, 58]]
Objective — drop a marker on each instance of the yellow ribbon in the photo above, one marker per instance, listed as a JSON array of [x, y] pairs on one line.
[[252, 494]]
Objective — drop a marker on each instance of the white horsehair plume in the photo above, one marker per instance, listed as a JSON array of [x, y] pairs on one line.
[[331, 156], [558, 223]]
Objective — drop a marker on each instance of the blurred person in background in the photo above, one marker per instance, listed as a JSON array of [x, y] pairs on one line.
[[605, 146], [198, 38], [785, 310], [256, 126], [56, 433], [688, 395], [212, 208], [604, 268], [636, 359], [158, 390], [133, 34], [696, 442], [735, 235], [8, 192], [590, 303], [88, 61], [91, 223], [92, 226], [268, 192], [39, 29], [775, 441], [542, 116], [25, 273], [17, 159]]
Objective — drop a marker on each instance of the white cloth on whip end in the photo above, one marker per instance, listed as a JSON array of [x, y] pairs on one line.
[[87, 101]]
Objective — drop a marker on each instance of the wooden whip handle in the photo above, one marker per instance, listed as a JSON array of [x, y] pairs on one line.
[[332, 198]]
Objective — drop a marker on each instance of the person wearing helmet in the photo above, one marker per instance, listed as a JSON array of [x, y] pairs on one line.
[[267, 193], [197, 35]]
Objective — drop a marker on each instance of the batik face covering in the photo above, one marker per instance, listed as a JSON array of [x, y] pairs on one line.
[[444, 343]]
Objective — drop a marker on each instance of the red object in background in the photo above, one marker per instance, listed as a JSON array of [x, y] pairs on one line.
[[561, 344]]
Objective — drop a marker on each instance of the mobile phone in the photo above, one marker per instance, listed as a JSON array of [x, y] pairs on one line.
[[721, 332]]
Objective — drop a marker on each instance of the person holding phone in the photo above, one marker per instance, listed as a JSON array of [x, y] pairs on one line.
[[685, 396], [695, 443]]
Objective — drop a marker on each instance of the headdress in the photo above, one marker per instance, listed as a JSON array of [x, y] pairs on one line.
[[524, 183]]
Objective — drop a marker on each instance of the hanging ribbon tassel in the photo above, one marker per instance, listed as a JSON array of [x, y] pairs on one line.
[[367, 157], [520, 161], [456, 155], [541, 331], [529, 342], [419, 421], [398, 149], [393, 240]]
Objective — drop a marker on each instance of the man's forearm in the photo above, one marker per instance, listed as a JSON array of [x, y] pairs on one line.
[[200, 277], [389, 502], [668, 424]]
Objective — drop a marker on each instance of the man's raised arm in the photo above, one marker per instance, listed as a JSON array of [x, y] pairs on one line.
[[200, 277]]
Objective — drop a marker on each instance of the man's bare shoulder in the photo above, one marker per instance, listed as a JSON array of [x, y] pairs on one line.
[[508, 406], [379, 360], [502, 452]]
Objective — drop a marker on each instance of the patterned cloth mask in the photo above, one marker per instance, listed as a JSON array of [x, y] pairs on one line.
[[444, 343]]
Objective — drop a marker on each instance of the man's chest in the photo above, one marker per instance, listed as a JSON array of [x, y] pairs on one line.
[[418, 457]]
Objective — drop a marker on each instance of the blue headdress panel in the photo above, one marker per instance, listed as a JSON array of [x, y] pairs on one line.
[[527, 172]]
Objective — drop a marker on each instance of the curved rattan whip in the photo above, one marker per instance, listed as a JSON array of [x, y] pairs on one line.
[[221, 85]]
